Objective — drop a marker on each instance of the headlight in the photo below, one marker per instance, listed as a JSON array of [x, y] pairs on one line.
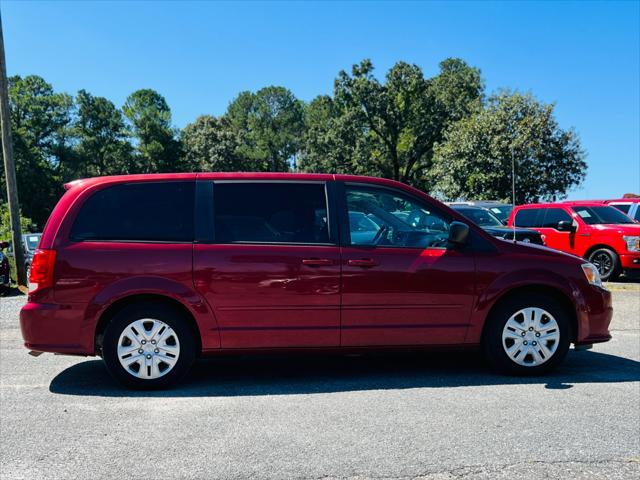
[[592, 274], [633, 243]]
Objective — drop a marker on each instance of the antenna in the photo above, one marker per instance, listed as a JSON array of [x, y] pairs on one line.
[[513, 190]]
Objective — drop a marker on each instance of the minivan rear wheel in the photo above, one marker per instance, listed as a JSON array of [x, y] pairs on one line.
[[148, 346], [528, 334]]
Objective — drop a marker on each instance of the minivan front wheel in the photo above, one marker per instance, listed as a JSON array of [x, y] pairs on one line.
[[148, 346], [527, 335]]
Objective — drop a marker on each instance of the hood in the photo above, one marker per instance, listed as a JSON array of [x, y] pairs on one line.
[[519, 247], [622, 229]]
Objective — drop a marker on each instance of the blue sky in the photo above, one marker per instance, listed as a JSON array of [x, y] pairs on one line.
[[584, 56]]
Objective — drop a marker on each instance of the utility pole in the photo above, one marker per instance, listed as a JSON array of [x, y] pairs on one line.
[[9, 166]]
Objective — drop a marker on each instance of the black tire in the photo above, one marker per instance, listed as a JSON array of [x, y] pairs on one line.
[[171, 317], [492, 343], [607, 263]]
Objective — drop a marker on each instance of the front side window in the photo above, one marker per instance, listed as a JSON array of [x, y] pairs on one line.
[[527, 217], [139, 212], [284, 212], [553, 216], [383, 217], [601, 215]]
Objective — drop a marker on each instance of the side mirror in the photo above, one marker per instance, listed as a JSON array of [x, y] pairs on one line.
[[4, 245], [458, 233], [565, 226]]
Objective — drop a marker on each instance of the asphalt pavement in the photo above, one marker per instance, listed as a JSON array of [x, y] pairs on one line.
[[431, 416]]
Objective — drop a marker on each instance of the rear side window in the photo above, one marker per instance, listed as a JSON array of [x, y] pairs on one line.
[[553, 216], [258, 212], [527, 217], [139, 212]]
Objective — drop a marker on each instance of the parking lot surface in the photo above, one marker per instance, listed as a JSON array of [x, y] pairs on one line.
[[432, 416]]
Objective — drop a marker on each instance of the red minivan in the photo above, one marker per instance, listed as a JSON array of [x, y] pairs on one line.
[[602, 234], [152, 271]]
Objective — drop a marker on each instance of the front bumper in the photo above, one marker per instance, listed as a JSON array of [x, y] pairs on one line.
[[48, 327], [595, 317], [630, 260]]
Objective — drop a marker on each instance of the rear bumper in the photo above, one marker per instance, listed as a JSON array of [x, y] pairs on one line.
[[595, 317], [630, 260], [55, 328]]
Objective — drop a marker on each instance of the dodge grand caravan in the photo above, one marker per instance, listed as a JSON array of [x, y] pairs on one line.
[[152, 271]]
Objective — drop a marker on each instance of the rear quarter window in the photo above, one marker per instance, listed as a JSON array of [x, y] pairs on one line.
[[527, 217], [138, 212]]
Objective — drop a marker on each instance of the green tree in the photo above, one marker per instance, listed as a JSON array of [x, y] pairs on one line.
[[102, 142], [335, 139], [270, 126], [26, 224], [40, 120], [158, 150], [389, 129], [474, 160], [209, 144]]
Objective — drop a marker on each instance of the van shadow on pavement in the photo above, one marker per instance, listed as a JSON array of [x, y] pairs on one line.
[[296, 374]]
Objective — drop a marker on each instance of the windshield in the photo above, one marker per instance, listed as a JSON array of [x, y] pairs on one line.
[[31, 241], [601, 215], [502, 212], [480, 217]]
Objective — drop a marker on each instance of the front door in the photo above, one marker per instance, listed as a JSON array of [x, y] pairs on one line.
[[554, 238], [272, 271], [400, 284]]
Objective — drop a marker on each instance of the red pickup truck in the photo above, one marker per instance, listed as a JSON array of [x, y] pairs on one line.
[[590, 229]]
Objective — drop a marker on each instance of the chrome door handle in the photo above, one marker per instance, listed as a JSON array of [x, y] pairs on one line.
[[317, 262], [362, 262]]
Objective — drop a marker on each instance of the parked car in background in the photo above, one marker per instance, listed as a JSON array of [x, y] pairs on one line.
[[492, 225], [499, 209], [151, 271], [5, 277], [602, 234], [30, 243], [629, 206]]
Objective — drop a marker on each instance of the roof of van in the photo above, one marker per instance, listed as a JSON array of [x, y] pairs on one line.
[[150, 177]]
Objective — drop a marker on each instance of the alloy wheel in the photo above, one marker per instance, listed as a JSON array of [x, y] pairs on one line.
[[603, 262]]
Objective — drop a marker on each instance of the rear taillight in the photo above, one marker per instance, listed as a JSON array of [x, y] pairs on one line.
[[42, 266]]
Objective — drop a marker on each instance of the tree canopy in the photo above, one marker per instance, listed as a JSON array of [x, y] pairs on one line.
[[442, 133], [474, 160]]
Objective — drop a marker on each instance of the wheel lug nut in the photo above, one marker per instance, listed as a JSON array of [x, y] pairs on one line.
[[534, 343], [140, 351], [525, 342], [537, 334], [531, 329], [143, 342], [149, 357], [523, 334], [153, 342], [156, 351]]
